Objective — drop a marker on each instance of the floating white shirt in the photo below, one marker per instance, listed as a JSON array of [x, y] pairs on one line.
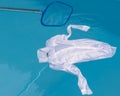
[[62, 54]]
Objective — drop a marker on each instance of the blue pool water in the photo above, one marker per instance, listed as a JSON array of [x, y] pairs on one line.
[[21, 34]]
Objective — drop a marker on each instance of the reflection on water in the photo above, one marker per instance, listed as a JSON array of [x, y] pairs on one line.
[[12, 79]]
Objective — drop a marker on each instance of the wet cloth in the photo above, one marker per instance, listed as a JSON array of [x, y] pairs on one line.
[[62, 53]]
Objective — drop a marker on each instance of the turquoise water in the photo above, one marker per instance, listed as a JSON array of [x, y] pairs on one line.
[[21, 34]]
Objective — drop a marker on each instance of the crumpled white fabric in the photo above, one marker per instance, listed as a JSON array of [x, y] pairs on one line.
[[62, 54]]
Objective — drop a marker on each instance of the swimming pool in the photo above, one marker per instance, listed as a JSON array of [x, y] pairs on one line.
[[21, 34]]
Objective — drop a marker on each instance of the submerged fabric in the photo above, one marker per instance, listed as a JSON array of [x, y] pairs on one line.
[[62, 53]]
